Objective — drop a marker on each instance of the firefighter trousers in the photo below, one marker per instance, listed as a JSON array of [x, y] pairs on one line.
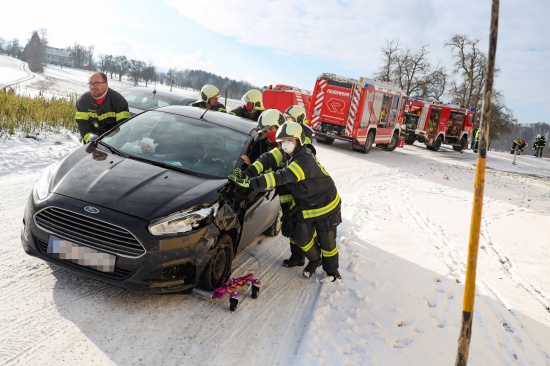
[[318, 240]]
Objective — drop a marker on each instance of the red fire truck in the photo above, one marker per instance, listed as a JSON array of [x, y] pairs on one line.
[[435, 124], [363, 112], [281, 97]]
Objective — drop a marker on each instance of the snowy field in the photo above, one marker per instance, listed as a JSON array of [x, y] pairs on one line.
[[403, 248]]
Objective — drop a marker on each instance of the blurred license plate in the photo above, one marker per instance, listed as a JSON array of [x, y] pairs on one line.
[[84, 256]]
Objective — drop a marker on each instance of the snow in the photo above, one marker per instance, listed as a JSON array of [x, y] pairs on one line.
[[403, 250]]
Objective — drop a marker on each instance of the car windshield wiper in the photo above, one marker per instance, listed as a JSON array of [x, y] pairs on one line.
[[163, 165], [112, 149]]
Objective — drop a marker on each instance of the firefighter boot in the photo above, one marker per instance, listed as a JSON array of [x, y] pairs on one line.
[[311, 268], [335, 276], [297, 257]]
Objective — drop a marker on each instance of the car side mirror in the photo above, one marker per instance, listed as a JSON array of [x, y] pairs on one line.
[[93, 137]]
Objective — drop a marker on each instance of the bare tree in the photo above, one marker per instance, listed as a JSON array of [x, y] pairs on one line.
[[412, 71], [469, 65], [122, 65], [149, 73], [78, 54], [136, 68]]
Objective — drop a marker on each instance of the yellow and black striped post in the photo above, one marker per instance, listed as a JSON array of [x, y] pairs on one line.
[[479, 185]]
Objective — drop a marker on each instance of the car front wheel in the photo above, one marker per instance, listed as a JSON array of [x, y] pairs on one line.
[[219, 265]]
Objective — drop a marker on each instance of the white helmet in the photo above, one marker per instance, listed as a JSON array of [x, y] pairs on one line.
[[254, 96], [209, 91], [270, 117], [297, 113], [291, 129]]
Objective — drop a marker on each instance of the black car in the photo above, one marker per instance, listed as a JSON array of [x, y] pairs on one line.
[[140, 99], [148, 206]]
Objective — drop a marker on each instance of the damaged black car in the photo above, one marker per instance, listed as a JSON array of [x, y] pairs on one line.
[[147, 206]]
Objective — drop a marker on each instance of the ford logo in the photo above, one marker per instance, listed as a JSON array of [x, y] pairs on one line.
[[91, 209]]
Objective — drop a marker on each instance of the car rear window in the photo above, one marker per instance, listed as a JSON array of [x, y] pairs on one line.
[[146, 101]]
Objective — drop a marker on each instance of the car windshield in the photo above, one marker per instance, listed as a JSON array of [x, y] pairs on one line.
[[181, 142], [144, 101]]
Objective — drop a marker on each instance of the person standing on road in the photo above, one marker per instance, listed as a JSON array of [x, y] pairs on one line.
[[297, 113], [315, 194], [476, 145], [540, 143], [100, 108], [253, 105]]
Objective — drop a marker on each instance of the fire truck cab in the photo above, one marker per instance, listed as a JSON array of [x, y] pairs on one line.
[[435, 124], [363, 112], [282, 96]]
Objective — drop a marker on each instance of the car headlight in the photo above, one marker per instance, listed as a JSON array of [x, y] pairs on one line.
[[183, 221], [42, 187]]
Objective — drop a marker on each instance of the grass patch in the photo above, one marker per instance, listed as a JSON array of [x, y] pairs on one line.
[[19, 113]]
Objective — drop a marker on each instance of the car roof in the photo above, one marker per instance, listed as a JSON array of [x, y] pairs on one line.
[[161, 93], [223, 119]]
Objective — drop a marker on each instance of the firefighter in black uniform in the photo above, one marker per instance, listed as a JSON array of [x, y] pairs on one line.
[[274, 159], [253, 105], [540, 143], [100, 108], [209, 99], [315, 194]]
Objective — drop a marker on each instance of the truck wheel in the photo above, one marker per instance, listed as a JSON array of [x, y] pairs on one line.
[[410, 140], [463, 145], [369, 142], [437, 144], [394, 141], [327, 140]]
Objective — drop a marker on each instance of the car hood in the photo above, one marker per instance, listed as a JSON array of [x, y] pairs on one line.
[[133, 187]]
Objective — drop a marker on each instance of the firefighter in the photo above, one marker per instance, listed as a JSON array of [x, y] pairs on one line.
[[253, 105], [315, 194], [274, 159], [476, 145], [268, 123], [100, 108], [517, 146], [209, 99], [540, 143], [297, 113]]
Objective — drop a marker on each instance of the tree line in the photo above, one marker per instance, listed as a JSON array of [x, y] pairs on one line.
[[459, 83], [118, 66]]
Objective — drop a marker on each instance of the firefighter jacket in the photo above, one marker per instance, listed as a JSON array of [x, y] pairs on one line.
[[311, 186], [94, 118], [243, 112], [218, 107], [540, 142]]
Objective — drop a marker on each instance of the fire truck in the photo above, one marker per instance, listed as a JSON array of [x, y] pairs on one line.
[[363, 112], [282, 96], [435, 124]]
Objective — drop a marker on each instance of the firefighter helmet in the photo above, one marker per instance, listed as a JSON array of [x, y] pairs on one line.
[[209, 91], [297, 113], [254, 96], [270, 117], [291, 129]]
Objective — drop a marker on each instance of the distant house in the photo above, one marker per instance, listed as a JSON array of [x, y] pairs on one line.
[[56, 56]]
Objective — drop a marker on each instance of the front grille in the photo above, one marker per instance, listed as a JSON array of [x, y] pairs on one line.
[[88, 231], [118, 274]]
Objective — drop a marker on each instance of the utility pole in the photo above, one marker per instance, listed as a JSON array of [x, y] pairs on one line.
[[477, 207]]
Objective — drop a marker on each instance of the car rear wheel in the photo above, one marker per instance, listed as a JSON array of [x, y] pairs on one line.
[[219, 265], [394, 141], [275, 227]]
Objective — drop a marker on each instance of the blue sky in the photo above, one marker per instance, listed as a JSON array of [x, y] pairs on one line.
[[290, 42]]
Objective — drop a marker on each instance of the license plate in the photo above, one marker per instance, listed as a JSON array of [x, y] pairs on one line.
[[84, 256]]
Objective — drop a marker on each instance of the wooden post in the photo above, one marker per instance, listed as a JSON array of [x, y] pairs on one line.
[[479, 185]]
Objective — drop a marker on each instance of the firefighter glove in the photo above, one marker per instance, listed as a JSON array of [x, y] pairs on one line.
[[241, 182], [237, 173]]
